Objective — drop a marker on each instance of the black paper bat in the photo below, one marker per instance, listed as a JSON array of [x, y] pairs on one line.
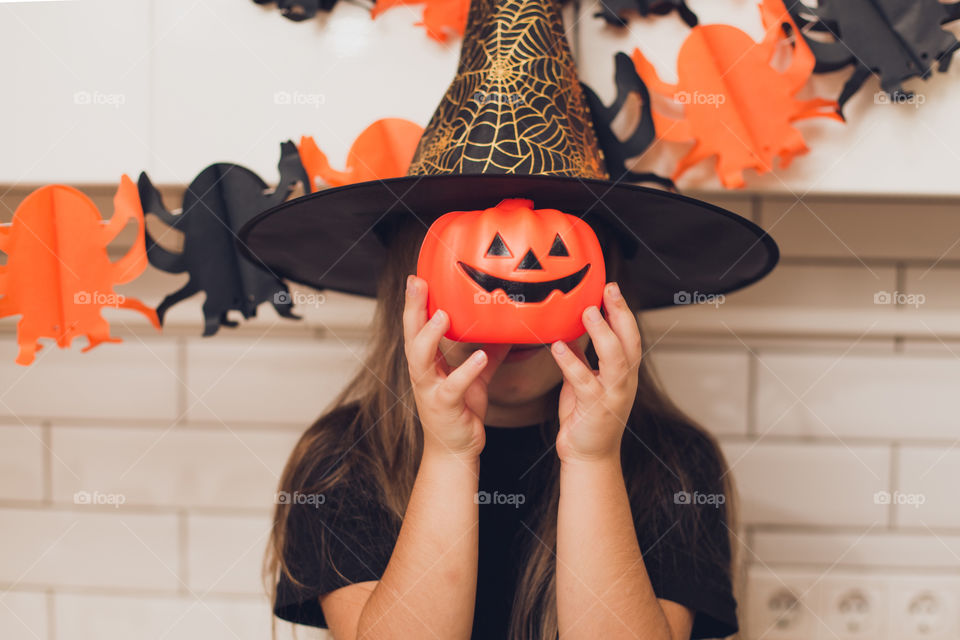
[[300, 10], [613, 11], [894, 39], [618, 152], [216, 204]]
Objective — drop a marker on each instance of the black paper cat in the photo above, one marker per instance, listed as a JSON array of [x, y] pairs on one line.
[[216, 204]]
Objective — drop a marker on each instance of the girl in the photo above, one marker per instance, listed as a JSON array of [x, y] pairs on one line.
[[503, 491]]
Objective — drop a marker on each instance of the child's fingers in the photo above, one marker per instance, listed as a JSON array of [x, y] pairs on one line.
[[623, 322], [613, 361], [422, 351], [582, 355], [585, 383], [414, 308], [454, 387], [417, 334]]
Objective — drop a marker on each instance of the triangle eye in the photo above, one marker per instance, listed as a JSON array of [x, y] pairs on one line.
[[498, 248], [558, 248]]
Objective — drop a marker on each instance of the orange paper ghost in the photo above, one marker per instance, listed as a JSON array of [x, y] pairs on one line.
[[736, 106], [441, 18], [58, 274], [383, 150]]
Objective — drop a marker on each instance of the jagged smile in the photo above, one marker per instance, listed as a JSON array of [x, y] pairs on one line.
[[524, 291]]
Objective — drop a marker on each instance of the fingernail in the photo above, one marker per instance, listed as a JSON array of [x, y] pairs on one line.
[[479, 356], [615, 291], [559, 347], [593, 314], [410, 283], [437, 318]]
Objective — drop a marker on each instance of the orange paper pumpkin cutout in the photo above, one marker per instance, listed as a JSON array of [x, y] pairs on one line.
[[58, 274], [383, 150], [441, 18], [512, 273], [736, 106]]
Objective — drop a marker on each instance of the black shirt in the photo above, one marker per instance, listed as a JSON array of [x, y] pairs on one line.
[[515, 471], [514, 466]]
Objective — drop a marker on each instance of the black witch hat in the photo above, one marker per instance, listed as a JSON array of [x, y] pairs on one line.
[[513, 124]]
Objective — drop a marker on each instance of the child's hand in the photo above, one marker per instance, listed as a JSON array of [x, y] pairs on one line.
[[451, 403], [595, 405]]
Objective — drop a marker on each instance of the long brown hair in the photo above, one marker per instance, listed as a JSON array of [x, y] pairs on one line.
[[663, 452]]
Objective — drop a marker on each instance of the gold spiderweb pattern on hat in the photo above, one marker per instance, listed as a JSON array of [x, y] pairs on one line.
[[516, 105]]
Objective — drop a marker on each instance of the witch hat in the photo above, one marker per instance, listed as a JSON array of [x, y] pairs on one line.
[[513, 124]]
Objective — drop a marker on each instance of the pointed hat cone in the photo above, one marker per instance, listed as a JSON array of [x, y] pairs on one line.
[[515, 105]]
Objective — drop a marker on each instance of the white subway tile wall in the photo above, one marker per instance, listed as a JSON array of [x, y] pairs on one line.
[[136, 480]]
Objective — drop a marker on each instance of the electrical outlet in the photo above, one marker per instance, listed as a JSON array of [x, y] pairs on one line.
[[854, 606], [782, 604], [925, 613], [778, 605], [786, 608], [925, 608]]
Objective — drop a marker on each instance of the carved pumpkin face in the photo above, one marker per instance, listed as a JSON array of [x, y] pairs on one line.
[[512, 273]]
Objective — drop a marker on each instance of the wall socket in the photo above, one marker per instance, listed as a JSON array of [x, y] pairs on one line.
[[853, 607], [792, 604], [925, 609], [778, 605]]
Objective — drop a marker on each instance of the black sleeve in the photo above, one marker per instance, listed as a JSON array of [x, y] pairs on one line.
[[686, 545], [346, 537]]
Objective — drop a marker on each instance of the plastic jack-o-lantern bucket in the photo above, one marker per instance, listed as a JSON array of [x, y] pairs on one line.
[[512, 273]]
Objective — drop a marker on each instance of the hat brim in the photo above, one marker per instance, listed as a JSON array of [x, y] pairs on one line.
[[677, 249]]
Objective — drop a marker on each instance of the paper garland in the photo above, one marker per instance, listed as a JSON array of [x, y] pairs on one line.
[[216, 204], [58, 276], [736, 106], [383, 150], [58, 238], [616, 152], [895, 39], [442, 19], [617, 12], [300, 10]]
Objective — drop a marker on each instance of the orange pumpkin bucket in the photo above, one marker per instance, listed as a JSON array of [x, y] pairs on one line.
[[512, 273]]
